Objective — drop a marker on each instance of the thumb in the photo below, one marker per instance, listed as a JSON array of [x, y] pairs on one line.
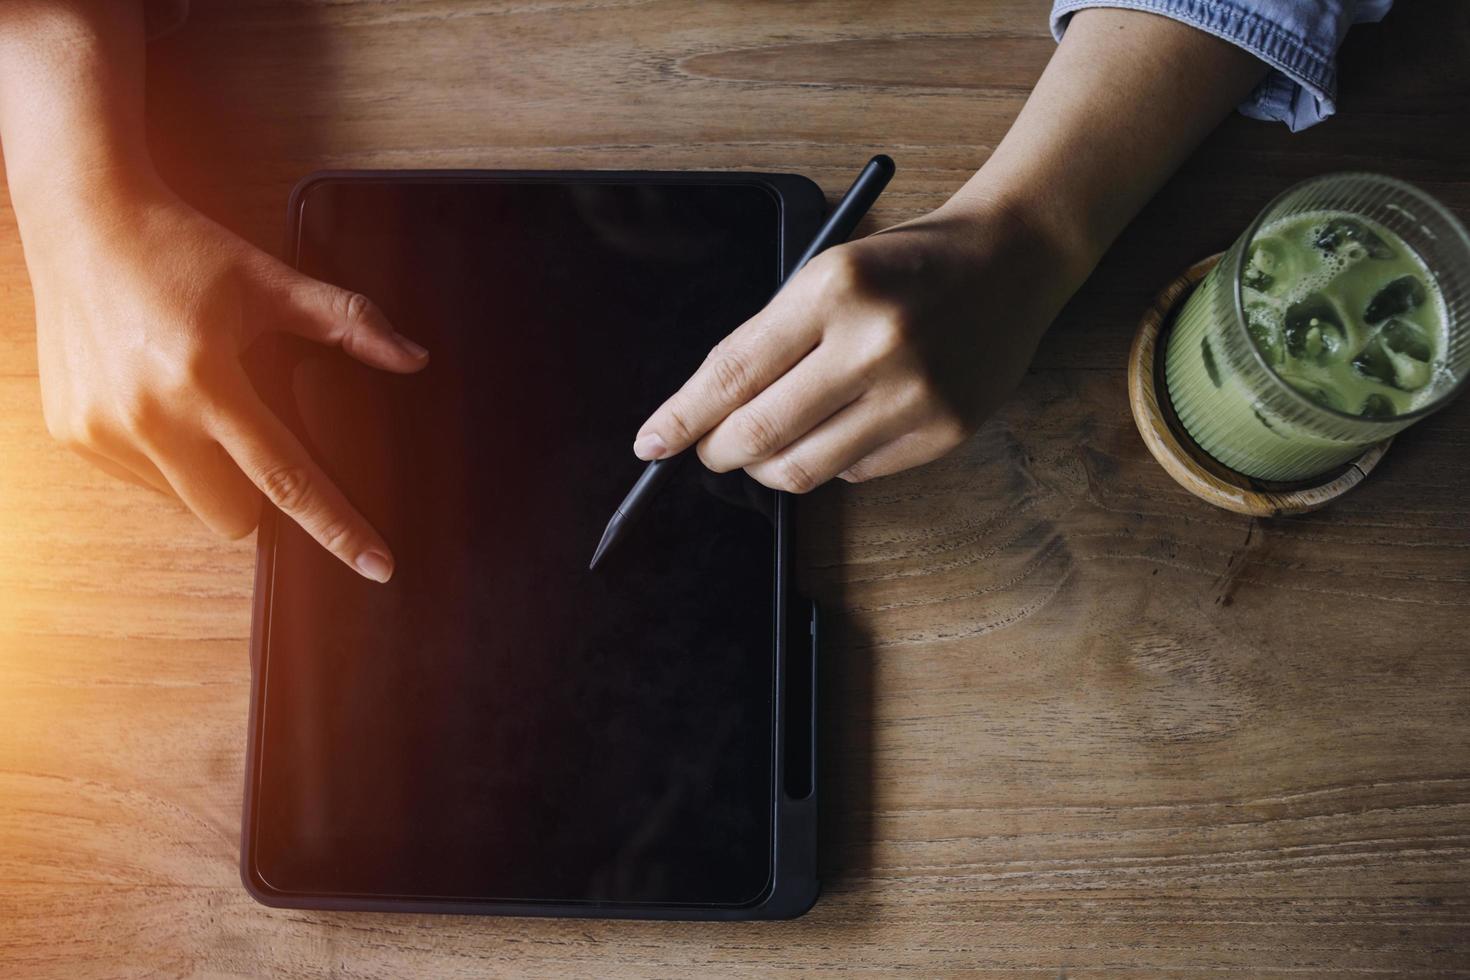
[[329, 315]]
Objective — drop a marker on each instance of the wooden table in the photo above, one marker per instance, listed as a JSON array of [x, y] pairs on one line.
[[1078, 723]]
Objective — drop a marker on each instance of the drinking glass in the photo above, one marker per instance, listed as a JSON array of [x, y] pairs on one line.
[[1223, 387]]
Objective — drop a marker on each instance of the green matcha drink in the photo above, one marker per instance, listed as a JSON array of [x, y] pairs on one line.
[[1323, 330]]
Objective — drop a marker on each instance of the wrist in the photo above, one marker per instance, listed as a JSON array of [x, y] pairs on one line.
[[1051, 238], [94, 191], [71, 109]]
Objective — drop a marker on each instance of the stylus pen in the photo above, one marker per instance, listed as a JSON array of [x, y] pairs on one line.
[[839, 225]]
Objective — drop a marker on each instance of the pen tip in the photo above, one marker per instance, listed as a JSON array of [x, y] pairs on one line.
[[602, 545]]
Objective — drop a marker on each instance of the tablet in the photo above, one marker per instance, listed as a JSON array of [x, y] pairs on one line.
[[498, 729]]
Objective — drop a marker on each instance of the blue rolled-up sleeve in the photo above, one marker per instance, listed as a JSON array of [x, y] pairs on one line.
[[1298, 39]]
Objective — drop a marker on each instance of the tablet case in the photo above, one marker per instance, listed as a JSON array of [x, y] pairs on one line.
[[794, 884]]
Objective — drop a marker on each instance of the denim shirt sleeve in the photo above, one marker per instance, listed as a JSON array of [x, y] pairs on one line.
[[1297, 38]]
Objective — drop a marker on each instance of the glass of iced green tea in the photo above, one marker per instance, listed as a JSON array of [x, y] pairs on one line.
[[1340, 317]]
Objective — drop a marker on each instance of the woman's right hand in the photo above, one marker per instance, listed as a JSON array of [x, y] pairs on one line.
[[143, 309]]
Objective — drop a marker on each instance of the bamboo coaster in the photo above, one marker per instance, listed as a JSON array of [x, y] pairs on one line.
[[1178, 454]]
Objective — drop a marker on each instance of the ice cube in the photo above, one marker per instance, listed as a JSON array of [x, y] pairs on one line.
[[1256, 278], [1209, 358], [1350, 237], [1400, 296], [1313, 330], [1373, 362], [1398, 355], [1267, 262], [1376, 406], [1407, 337], [1409, 373], [1261, 325]]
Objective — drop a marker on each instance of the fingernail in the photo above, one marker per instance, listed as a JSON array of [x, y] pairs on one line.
[[409, 347], [375, 565], [650, 446]]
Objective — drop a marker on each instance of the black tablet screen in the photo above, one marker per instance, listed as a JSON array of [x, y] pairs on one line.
[[498, 722]]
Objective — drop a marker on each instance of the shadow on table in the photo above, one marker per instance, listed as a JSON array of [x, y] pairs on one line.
[[225, 130]]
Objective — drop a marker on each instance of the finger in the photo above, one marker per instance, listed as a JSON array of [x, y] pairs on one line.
[[210, 483], [273, 459], [795, 403], [140, 472], [328, 315], [907, 451], [758, 352], [831, 447]]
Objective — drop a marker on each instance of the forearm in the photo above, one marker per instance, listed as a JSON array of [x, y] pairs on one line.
[[1126, 97], [71, 99]]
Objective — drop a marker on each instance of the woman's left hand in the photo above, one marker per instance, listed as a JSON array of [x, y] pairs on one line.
[[881, 354]]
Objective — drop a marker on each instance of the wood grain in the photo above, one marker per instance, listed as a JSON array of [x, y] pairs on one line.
[[1077, 722]]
